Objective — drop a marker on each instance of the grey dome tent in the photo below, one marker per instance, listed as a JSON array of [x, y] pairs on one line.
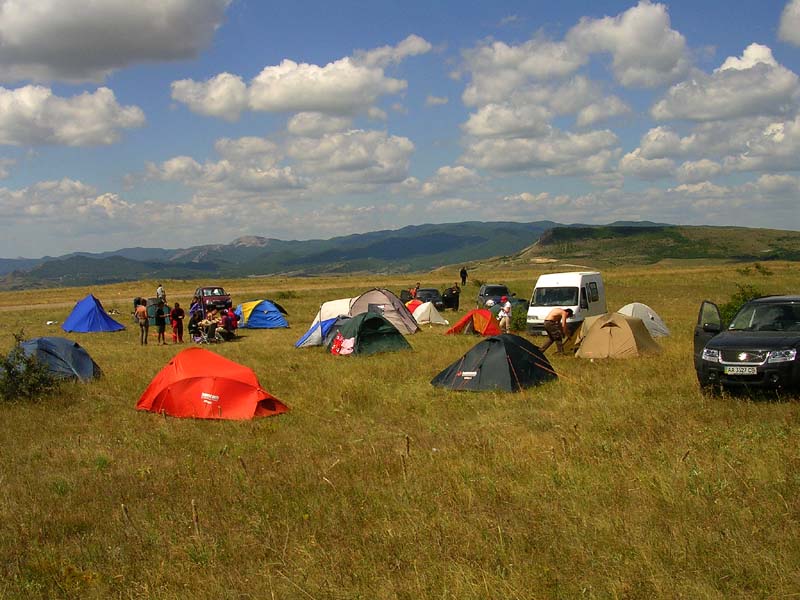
[[63, 358], [654, 324], [504, 362]]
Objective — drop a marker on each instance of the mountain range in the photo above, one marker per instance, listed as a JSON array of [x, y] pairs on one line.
[[413, 248]]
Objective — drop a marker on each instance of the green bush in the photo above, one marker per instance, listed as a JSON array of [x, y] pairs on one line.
[[519, 318], [744, 293], [23, 377]]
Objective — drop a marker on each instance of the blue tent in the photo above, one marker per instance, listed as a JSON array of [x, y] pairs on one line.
[[315, 335], [64, 358], [88, 316], [260, 314]]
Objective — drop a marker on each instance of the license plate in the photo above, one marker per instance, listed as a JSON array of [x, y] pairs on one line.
[[740, 370]]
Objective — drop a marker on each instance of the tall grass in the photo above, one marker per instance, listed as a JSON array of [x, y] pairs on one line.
[[620, 480]]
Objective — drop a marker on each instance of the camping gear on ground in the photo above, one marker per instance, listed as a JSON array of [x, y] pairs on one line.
[[63, 358], [88, 316], [427, 313], [370, 333], [479, 321], [260, 314], [503, 362], [655, 325], [614, 335], [201, 384], [383, 302]]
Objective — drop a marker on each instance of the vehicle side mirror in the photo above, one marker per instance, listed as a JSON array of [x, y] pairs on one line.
[[711, 327]]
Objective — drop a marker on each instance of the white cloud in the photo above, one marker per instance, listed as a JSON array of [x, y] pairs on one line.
[[663, 142], [343, 87], [384, 56], [353, 158], [5, 163], [558, 151], [65, 202], [448, 179], [789, 29], [504, 120], [776, 147], [86, 40], [33, 115], [751, 85], [498, 69], [646, 51], [602, 110], [699, 170], [224, 95], [312, 124], [635, 165]]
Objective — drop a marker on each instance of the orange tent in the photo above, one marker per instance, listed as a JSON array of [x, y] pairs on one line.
[[201, 384], [479, 321]]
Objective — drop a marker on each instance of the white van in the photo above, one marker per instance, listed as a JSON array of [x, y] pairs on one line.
[[582, 291]]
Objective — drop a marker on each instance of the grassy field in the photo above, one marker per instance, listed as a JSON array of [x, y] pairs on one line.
[[620, 480]]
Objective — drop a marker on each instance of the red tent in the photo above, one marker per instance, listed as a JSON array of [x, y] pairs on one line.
[[412, 305], [201, 384], [479, 320]]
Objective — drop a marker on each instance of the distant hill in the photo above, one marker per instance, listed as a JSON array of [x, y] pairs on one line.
[[612, 244], [414, 248]]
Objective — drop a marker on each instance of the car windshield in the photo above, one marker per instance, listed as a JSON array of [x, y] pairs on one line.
[[767, 317], [555, 296], [427, 292], [213, 292], [495, 290]]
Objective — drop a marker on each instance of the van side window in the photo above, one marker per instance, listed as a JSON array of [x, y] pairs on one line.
[[584, 302], [594, 295]]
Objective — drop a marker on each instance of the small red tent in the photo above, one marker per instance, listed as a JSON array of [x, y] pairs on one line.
[[412, 305], [479, 321], [204, 385]]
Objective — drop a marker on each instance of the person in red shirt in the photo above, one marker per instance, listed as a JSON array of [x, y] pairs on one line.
[[176, 316]]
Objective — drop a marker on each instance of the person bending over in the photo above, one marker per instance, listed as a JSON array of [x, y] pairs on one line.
[[555, 324]]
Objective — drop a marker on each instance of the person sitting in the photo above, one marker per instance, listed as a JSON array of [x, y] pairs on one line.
[[226, 330], [194, 326]]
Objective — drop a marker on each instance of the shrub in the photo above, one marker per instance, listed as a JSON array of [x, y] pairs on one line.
[[23, 377], [744, 293], [519, 318]]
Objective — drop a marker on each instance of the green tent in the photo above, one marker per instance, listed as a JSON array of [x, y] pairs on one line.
[[367, 333]]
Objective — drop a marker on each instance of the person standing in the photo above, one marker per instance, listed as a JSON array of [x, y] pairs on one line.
[[161, 323], [504, 316], [456, 295], [161, 293], [144, 322], [463, 274], [176, 316], [555, 324]]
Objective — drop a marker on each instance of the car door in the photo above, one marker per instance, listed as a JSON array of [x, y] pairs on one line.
[[709, 324]]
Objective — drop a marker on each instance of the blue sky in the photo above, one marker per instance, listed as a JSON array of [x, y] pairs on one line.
[[174, 123]]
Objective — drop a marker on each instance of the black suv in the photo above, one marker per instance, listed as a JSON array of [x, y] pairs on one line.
[[431, 295], [759, 348]]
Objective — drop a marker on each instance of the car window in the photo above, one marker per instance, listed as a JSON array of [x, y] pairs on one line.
[[496, 290]]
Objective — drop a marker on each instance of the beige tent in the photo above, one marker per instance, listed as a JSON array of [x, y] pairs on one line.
[[615, 335], [385, 303], [427, 313], [654, 323]]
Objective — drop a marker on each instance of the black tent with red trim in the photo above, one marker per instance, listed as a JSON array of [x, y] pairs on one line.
[[504, 362]]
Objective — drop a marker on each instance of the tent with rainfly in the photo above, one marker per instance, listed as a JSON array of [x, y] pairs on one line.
[[200, 384], [384, 302], [63, 358], [479, 321], [366, 333], [325, 317], [654, 323], [504, 362], [614, 335], [260, 314], [88, 316]]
